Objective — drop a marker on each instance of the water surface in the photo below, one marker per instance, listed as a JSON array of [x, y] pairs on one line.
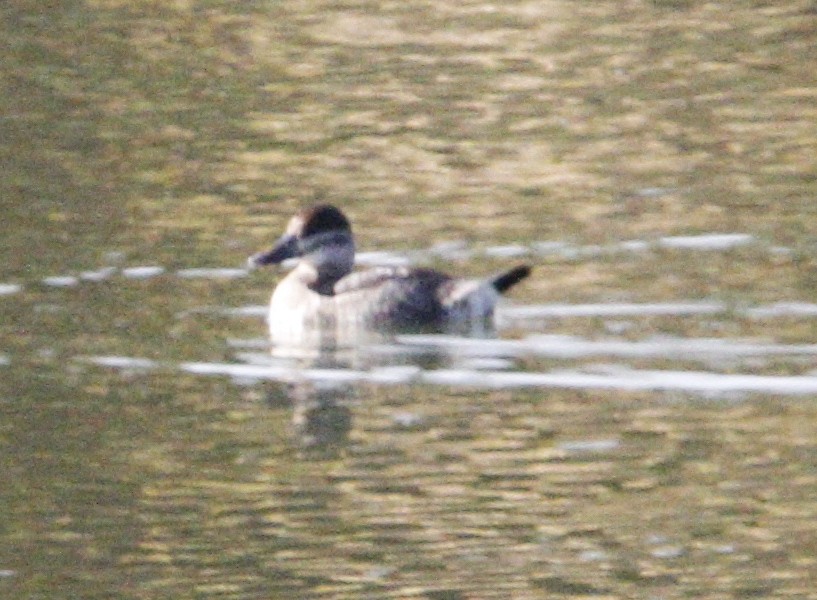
[[641, 425]]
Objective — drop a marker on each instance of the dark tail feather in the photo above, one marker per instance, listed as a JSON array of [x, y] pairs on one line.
[[508, 279]]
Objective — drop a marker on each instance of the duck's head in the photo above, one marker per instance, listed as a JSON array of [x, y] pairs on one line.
[[321, 237]]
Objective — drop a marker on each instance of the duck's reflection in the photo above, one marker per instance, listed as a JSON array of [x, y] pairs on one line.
[[322, 401], [322, 418], [321, 408], [325, 383]]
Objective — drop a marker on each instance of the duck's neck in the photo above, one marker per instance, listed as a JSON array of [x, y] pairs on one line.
[[321, 270], [322, 283]]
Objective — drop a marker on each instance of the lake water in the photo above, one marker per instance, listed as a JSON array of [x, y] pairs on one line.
[[644, 421]]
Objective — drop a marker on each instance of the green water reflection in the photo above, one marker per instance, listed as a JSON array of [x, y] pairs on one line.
[[184, 134]]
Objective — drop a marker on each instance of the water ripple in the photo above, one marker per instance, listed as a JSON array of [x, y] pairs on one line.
[[7, 289], [623, 378]]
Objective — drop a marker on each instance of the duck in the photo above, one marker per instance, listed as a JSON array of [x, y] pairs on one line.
[[323, 293]]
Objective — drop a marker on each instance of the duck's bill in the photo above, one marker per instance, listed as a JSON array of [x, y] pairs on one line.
[[286, 247]]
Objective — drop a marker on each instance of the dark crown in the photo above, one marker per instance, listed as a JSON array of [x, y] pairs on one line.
[[323, 218]]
